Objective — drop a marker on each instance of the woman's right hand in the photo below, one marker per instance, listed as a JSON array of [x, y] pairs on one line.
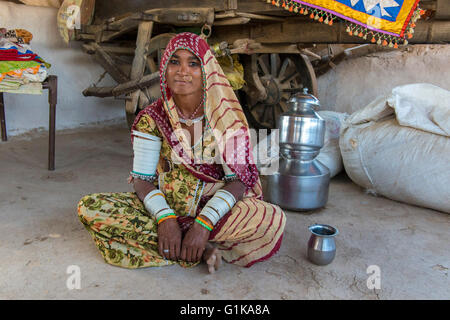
[[169, 232], [169, 238]]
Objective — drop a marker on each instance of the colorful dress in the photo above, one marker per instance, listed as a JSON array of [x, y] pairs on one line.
[[252, 231]]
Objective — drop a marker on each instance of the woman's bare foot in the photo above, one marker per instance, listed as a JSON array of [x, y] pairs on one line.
[[212, 257]]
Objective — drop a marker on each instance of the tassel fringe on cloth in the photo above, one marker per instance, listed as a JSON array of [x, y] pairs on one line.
[[385, 22]]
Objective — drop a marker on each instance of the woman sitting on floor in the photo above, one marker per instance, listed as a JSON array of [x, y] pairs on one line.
[[195, 209]]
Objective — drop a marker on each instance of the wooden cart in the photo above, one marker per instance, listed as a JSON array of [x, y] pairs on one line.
[[281, 52]]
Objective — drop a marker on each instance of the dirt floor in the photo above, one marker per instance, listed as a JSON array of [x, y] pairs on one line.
[[41, 236]]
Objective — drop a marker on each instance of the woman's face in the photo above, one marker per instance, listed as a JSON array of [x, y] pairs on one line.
[[184, 73]]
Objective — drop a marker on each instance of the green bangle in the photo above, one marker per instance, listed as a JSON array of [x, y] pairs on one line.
[[204, 225], [165, 215]]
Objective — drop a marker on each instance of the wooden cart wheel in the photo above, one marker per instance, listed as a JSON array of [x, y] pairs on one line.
[[271, 79], [148, 95]]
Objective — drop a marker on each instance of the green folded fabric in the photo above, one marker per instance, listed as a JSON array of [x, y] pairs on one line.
[[7, 66]]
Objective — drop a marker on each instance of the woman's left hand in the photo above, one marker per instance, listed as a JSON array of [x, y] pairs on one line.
[[194, 243]]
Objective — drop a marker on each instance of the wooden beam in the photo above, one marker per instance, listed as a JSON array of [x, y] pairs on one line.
[[105, 9], [117, 28], [121, 51], [112, 28], [178, 17], [442, 9], [250, 48], [140, 61], [88, 48], [437, 31], [233, 14], [101, 92], [232, 4], [123, 88], [108, 64], [297, 31], [225, 14], [231, 21], [257, 6], [84, 36], [151, 65], [428, 4], [259, 17]]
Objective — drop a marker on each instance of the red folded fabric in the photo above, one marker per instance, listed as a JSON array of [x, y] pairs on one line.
[[9, 51], [13, 55], [32, 57]]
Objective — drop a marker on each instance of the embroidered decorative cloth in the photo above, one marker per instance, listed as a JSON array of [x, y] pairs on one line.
[[382, 21]]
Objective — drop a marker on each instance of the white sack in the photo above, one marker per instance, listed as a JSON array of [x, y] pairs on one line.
[[422, 106], [330, 154], [399, 146]]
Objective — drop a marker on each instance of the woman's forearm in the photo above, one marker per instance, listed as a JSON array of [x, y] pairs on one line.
[[236, 188], [142, 188]]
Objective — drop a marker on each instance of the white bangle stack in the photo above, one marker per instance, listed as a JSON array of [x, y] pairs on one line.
[[155, 203], [222, 202], [146, 155]]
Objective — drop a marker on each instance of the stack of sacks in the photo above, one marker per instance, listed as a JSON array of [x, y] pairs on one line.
[[398, 146], [20, 67]]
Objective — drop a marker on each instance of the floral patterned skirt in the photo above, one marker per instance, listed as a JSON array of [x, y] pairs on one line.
[[127, 236]]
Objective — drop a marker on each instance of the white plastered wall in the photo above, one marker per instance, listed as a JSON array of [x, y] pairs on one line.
[[75, 70], [354, 83]]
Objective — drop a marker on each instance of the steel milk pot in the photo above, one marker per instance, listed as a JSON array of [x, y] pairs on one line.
[[301, 182]]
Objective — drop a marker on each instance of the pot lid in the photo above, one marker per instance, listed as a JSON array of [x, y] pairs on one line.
[[304, 98]]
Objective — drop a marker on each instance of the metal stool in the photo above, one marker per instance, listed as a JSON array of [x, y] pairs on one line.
[[51, 83]]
